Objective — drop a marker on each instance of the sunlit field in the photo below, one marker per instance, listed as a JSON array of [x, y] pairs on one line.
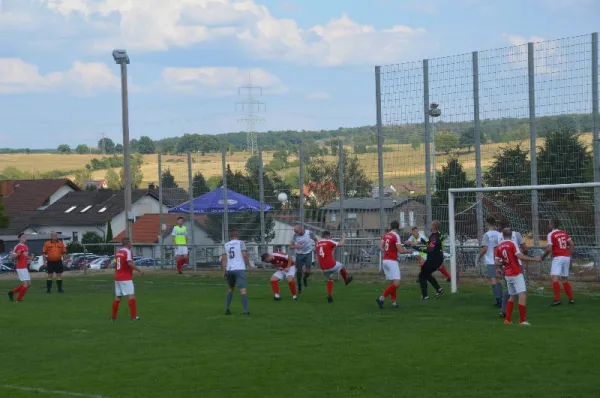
[[184, 346]]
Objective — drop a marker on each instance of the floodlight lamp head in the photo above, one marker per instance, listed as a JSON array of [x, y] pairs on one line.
[[434, 105], [120, 56]]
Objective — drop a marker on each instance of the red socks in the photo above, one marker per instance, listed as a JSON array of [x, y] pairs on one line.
[[329, 287], [292, 286], [22, 292], [522, 313], [509, 309], [17, 289], [275, 287], [180, 263], [115, 309], [132, 308], [344, 274], [556, 288], [568, 290], [390, 291], [444, 272]]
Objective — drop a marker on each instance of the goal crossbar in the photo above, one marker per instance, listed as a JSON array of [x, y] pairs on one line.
[[451, 220]]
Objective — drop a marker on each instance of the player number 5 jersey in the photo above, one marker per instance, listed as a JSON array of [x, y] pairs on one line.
[[235, 259]]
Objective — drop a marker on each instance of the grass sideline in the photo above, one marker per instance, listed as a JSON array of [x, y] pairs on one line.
[[185, 347]]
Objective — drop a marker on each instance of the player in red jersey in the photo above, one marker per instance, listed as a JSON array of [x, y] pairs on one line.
[[125, 266], [286, 269], [21, 254], [507, 254], [561, 246], [390, 246], [325, 249]]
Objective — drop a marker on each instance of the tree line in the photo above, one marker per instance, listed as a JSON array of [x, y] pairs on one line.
[[450, 135]]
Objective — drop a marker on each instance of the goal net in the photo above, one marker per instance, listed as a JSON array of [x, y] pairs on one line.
[[526, 210]]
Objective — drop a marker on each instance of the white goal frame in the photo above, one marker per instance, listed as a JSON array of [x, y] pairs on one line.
[[451, 205]]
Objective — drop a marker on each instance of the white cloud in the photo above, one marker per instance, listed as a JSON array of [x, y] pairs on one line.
[[18, 76], [158, 25], [318, 96], [517, 40], [216, 82]]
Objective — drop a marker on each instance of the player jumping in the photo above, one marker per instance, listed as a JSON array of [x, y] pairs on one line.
[[390, 246], [561, 246], [325, 249], [21, 254], [507, 254], [286, 269], [124, 280], [417, 238]]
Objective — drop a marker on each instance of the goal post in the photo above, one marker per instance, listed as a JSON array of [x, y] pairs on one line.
[[590, 192]]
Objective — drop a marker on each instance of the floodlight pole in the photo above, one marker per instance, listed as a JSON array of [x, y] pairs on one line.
[[121, 58]]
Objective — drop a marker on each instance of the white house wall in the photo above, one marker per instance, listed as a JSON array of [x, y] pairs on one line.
[[145, 205], [62, 191], [67, 232]]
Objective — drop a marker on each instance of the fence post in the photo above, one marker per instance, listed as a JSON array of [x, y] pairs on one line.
[[596, 146], [429, 216], [192, 256], [225, 227], [477, 134], [161, 218], [261, 194], [342, 189], [379, 150], [301, 183], [535, 217]]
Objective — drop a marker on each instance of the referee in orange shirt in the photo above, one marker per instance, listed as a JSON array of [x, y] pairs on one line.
[[54, 252]]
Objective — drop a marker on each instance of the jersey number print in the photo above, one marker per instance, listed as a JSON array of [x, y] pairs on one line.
[[321, 252], [562, 243], [386, 245], [231, 253]]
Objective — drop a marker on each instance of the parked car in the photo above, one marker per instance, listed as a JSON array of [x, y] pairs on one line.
[[146, 262], [99, 263], [37, 264]]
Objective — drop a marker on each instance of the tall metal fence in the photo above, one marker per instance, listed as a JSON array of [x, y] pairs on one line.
[[520, 115]]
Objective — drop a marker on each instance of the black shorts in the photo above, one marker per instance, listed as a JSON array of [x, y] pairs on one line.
[[55, 267]]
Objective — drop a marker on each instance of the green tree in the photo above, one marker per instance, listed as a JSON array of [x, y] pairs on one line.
[[4, 220], [109, 232], [93, 242], [360, 149], [452, 175], [467, 138], [112, 179], [510, 167], [415, 143], [168, 180], [564, 159], [107, 145], [82, 176], [445, 142], [189, 143], [252, 165], [145, 145], [199, 185], [63, 148], [137, 176], [82, 149], [119, 148]]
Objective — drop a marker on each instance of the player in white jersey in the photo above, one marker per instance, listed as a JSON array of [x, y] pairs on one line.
[[518, 240], [235, 263], [488, 244]]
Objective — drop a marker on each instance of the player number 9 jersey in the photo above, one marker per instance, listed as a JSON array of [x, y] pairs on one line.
[[123, 271]]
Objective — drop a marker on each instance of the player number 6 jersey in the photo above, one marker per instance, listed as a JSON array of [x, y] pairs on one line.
[[390, 250]]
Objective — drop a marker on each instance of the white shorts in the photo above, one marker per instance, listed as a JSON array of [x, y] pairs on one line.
[[516, 284], [124, 288], [332, 271], [181, 250], [560, 266], [283, 274], [23, 274], [391, 270]]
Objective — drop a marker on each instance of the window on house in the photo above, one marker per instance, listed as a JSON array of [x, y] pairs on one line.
[[102, 210], [411, 218], [402, 220], [70, 209], [86, 208], [75, 237]]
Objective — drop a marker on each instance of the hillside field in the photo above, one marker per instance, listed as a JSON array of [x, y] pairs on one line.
[[402, 165]]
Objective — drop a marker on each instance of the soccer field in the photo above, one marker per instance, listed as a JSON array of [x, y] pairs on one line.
[[63, 345]]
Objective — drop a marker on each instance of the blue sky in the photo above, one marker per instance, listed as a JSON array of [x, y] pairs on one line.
[[313, 59]]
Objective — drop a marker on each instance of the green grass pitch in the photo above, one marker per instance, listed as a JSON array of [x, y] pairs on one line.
[[63, 345]]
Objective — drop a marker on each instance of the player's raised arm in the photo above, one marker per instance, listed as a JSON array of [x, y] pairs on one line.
[[548, 249], [342, 241]]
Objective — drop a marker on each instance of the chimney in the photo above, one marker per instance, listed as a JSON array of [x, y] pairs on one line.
[[151, 186], [7, 187]]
